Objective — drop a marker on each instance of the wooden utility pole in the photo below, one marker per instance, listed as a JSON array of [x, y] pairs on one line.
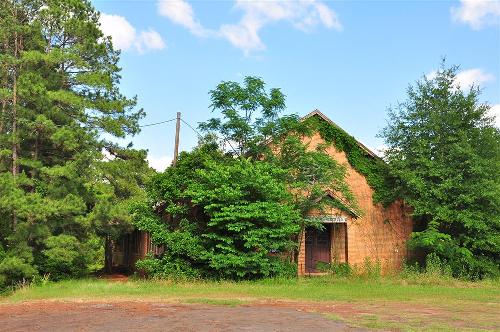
[[177, 130]]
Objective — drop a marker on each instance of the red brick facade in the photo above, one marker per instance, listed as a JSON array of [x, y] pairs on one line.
[[379, 234]]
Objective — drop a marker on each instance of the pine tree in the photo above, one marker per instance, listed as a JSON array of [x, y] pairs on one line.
[[59, 97]]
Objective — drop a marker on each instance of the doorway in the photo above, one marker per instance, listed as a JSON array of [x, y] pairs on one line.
[[318, 247]]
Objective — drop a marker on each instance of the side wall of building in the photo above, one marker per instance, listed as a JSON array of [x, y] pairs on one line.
[[380, 234]]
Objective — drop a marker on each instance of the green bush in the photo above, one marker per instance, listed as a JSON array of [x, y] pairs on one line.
[[13, 269], [94, 253], [435, 271], [63, 257], [342, 270], [284, 269], [370, 269], [434, 266], [226, 217], [2, 253], [167, 268]]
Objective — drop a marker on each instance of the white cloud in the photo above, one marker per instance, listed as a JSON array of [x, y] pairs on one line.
[[149, 40], [466, 78], [121, 31], [159, 163], [125, 37], [477, 13], [475, 76], [181, 12], [328, 16], [495, 113], [245, 34], [432, 75], [303, 14], [380, 150]]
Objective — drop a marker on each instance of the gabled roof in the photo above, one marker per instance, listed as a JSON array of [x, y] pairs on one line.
[[347, 206], [325, 118]]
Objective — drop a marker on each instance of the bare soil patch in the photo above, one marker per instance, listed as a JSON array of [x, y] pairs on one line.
[[199, 314], [397, 316], [161, 316]]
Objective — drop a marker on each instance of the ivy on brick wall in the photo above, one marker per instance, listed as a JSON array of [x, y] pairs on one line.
[[374, 169]]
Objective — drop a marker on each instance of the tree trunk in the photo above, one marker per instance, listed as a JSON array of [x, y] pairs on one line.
[[15, 167], [4, 85], [5, 82], [108, 255], [36, 151]]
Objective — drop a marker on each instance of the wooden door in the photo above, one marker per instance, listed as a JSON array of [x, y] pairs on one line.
[[318, 248]]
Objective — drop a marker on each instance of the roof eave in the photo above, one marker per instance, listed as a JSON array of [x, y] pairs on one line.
[[317, 112]]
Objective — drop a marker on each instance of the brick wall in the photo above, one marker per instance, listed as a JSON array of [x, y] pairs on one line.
[[380, 234], [338, 242], [301, 257]]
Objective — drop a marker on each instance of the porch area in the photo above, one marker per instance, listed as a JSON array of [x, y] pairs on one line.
[[322, 247]]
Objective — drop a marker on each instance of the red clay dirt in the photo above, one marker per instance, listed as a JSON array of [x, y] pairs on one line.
[[149, 316]]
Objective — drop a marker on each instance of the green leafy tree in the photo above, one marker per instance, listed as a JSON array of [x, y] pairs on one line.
[[445, 152], [251, 118], [234, 207], [223, 217], [59, 97]]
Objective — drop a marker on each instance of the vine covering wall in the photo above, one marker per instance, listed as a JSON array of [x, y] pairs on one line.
[[373, 168]]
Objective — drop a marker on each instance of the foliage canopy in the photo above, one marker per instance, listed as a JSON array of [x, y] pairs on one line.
[[59, 97], [237, 212], [445, 151], [224, 217]]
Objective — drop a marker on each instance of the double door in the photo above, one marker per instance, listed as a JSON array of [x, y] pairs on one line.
[[318, 247]]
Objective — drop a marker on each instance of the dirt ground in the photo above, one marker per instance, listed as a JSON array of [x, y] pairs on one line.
[[150, 316], [210, 315]]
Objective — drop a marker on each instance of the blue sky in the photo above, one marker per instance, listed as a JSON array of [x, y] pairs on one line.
[[349, 59]]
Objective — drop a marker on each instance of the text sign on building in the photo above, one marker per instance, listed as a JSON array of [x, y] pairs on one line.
[[333, 219]]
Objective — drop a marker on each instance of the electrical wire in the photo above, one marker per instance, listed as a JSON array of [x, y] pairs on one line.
[[187, 124], [156, 123]]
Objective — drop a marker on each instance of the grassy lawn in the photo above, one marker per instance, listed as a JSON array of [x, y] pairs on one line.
[[385, 303]]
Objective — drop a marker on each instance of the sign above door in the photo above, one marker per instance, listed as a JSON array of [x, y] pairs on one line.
[[336, 219]]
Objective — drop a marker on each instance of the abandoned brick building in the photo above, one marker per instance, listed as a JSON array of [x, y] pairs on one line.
[[378, 233]]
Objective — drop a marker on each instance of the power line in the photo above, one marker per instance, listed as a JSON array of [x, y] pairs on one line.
[[156, 123], [187, 124], [199, 135], [191, 127]]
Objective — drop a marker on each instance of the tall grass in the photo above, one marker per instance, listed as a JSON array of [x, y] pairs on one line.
[[342, 282], [326, 288]]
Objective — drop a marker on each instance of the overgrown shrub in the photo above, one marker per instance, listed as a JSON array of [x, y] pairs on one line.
[[167, 267], [63, 257], [94, 253], [341, 270], [285, 270], [434, 271], [2, 253], [226, 216], [370, 269], [13, 269], [434, 266]]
